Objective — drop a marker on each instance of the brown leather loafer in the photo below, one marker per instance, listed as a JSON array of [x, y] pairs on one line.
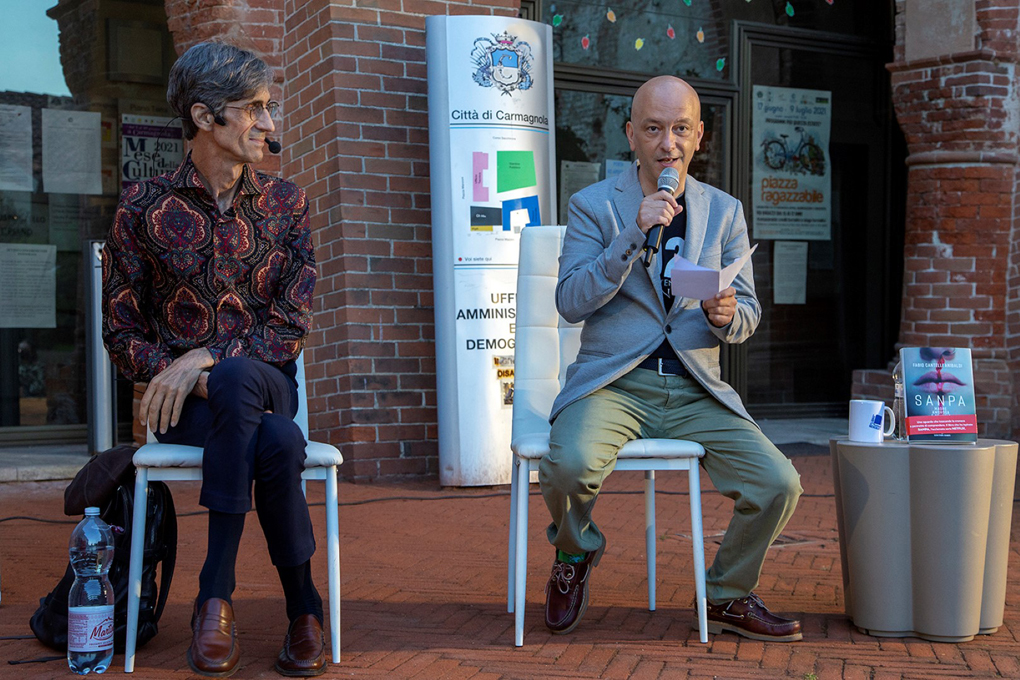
[[566, 594], [750, 618], [304, 649], [214, 651]]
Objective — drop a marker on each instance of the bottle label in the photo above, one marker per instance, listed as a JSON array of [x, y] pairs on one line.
[[89, 629], [899, 390]]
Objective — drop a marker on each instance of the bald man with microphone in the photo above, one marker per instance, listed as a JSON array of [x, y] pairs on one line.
[[648, 366]]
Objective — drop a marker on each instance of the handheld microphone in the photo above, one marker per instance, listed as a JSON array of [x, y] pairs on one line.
[[274, 146], [669, 180]]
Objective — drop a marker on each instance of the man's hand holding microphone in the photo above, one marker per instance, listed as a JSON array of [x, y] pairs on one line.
[[656, 212]]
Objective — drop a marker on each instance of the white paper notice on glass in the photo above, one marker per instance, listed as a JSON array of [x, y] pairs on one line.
[[28, 278], [789, 272], [15, 148], [614, 167], [574, 176], [701, 283], [71, 142]]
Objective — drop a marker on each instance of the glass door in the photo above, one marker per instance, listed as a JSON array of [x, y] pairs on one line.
[[801, 359]]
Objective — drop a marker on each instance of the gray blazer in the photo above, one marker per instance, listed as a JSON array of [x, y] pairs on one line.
[[603, 283]]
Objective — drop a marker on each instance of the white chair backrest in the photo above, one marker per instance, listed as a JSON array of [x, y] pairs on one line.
[[301, 417], [545, 343]]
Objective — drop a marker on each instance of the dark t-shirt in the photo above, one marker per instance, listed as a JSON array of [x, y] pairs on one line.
[[672, 244]]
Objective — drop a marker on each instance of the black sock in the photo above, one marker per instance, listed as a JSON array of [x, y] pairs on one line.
[[299, 591], [217, 577]]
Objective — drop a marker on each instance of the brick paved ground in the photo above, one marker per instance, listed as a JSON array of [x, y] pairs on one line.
[[424, 593]]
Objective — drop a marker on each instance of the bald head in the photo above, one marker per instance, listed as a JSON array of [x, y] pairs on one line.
[[663, 88], [664, 129]]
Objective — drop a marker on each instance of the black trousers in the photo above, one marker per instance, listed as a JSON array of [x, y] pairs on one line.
[[244, 444]]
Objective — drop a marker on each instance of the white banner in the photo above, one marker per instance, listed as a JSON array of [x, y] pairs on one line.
[[791, 176], [492, 150]]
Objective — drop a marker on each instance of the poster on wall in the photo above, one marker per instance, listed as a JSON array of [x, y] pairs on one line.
[[150, 146], [492, 158], [791, 180]]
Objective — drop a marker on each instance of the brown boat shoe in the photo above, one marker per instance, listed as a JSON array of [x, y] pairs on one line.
[[750, 618], [566, 593]]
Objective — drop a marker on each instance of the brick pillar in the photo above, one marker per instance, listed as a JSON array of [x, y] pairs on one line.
[[358, 142], [959, 113]]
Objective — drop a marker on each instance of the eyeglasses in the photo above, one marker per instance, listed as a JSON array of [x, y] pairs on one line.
[[255, 109]]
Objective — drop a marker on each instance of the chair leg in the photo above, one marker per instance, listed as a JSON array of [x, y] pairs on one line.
[[521, 551], [698, 541], [650, 547], [512, 536], [333, 560], [135, 565]]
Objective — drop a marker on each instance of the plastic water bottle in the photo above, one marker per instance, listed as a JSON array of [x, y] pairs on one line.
[[899, 406], [90, 602]]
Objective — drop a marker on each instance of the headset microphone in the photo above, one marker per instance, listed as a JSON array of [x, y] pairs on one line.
[[274, 146]]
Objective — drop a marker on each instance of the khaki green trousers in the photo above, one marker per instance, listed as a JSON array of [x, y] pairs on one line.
[[741, 462]]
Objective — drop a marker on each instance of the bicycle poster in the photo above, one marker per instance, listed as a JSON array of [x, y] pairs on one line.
[[791, 180]]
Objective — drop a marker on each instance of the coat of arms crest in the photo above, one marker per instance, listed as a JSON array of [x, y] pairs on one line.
[[503, 62]]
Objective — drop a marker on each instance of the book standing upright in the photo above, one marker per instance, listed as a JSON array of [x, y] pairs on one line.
[[939, 389]]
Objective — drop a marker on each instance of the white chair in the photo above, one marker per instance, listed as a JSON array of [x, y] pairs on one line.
[[156, 461], [545, 346]]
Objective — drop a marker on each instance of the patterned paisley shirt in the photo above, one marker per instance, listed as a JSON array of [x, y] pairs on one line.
[[178, 274]]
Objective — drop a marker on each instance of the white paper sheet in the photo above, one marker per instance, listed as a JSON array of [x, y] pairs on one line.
[[700, 283], [29, 283], [15, 148], [614, 168], [574, 176], [71, 143], [65, 214], [789, 272]]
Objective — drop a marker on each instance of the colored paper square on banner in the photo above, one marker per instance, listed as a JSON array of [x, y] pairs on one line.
[[479, 164], [529, 203], [515, 170], [485, 219]]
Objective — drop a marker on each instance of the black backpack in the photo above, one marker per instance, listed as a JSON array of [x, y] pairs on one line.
[[49, 623]]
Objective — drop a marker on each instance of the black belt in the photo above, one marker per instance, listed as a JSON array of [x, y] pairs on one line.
[[665, 366]]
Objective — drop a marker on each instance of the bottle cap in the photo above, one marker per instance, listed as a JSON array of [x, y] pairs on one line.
[[92, 511]]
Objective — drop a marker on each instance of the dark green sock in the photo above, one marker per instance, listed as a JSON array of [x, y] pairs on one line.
[[568, 558]]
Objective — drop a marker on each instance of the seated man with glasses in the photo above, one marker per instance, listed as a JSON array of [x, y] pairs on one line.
[[208, 274]]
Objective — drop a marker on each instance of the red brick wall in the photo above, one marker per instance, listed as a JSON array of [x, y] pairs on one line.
[[959, 115], [357, 122]]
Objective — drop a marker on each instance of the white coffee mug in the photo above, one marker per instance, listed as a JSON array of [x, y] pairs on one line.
[[870, 420]]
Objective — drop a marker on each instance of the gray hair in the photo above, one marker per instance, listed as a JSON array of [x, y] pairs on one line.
[[213, 73]]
